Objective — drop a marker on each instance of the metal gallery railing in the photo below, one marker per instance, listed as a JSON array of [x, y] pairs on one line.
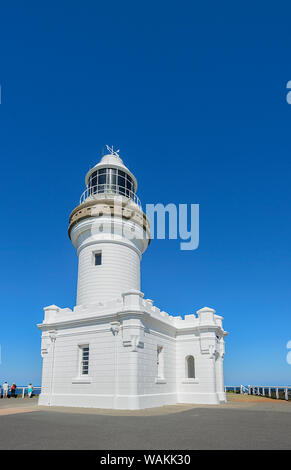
[[100, 191]]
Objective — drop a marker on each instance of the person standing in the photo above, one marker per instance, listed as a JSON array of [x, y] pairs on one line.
[[13, 390], [5, 389], [30, 390]]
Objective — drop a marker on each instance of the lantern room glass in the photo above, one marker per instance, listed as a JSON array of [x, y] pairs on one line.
[[111, 180]]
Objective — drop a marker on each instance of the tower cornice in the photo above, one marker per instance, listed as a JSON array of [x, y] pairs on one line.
[[113, 207]]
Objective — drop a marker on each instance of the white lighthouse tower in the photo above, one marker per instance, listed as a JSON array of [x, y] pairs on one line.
[[109, 230], [115, 349]]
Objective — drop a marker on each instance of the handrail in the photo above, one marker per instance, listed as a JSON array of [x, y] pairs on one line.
[[36, 388], [100, 191], [260, 390], [255, 390]]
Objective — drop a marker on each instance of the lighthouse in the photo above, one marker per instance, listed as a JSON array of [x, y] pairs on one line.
[[115, 348]]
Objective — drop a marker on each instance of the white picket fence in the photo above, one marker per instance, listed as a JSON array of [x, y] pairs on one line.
[[261, 390]]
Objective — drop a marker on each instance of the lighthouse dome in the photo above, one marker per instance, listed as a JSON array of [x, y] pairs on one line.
[[111, 176]]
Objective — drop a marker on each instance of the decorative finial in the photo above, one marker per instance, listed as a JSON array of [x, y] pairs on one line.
[[112, 151]]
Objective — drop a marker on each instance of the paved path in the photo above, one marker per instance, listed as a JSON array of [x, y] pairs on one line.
[[13, 411], [242, 423]]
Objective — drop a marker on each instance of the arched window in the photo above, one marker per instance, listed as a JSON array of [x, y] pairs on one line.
[[190, 367]]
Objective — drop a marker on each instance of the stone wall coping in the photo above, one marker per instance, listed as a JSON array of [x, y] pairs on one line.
[[115, 309]]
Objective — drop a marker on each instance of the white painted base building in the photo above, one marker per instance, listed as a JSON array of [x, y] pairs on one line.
[[115, 349]]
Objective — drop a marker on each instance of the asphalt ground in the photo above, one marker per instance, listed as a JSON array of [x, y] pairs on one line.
[[242, 423]]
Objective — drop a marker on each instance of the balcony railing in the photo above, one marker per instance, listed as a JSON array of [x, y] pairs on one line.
[[100, 191]]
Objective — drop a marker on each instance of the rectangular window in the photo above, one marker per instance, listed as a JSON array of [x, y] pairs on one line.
[[98, 258], [84, 363], [160, 362]]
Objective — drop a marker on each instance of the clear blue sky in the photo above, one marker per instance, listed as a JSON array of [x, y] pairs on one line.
[[194, 95]]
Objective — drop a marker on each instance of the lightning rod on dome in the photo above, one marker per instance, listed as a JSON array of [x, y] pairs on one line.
[[112, 151]]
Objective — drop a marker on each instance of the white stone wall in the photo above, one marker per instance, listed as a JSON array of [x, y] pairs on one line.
[[69, 387], [123, 336], [119, 377], [119, 272], [121, 243], [154, 390], [203, 388]]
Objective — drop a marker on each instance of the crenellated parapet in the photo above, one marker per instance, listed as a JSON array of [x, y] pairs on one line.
[[206, 322]]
